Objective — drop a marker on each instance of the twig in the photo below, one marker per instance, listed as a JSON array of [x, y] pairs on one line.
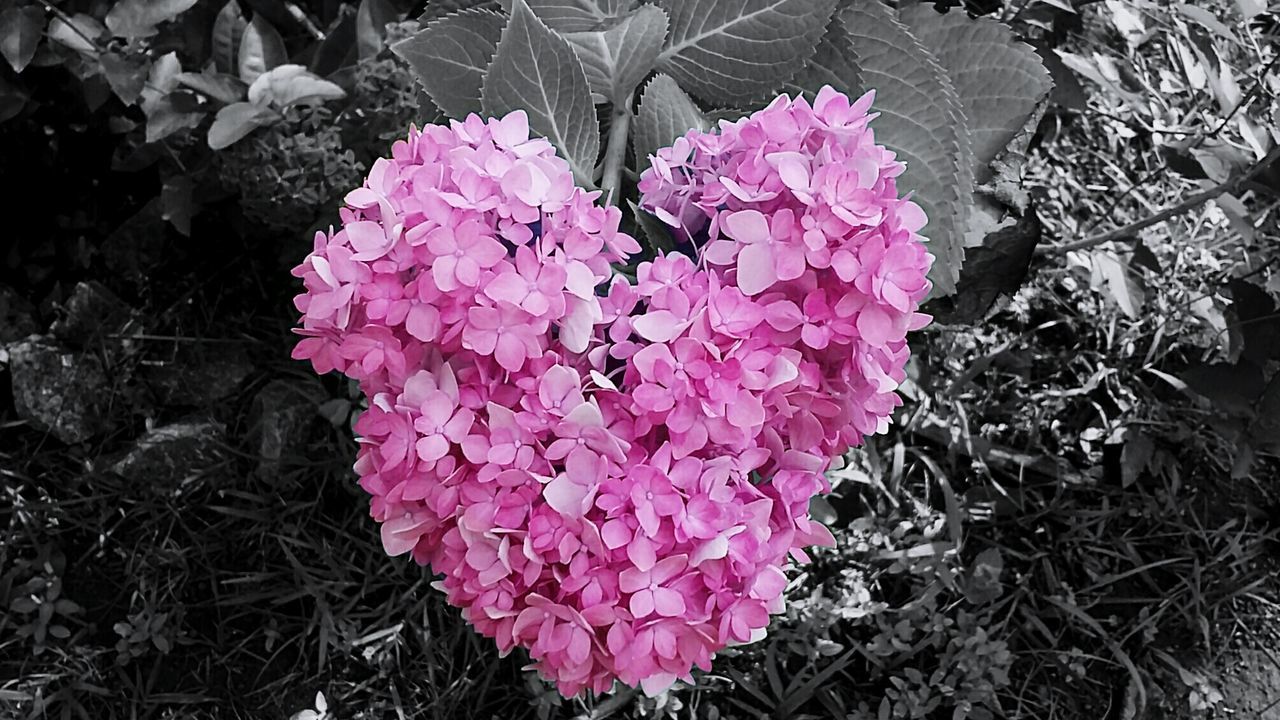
[[1131, 230], [1200, 139], [616, 152]]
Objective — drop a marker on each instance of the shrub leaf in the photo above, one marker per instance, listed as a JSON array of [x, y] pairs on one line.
[[536, 70], [451, 55], [999, 79], [665, 113], [261, 48], [616, 59], [228, 30], [139, 18], [922, 120], [730, 51], [20, 31]]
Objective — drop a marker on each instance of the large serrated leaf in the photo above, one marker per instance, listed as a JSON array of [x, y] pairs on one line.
[[616, 59], [451, 55], [999, 79], [731, 51], [832, 64], [921, 120], [536, 70], [665, 113], [572, 16]]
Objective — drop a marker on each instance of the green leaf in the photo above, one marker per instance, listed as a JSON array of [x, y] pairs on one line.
[[921, 120], [832, 64], [450, 58], [731, 51], [616, 59], [371, 26], [536, 70], [77, 33], [139, 18], [261, 49], [127, 75], [228, 31], [665, 113], [289, 85], [219, 86], [20, 31], [235, 121], [999, 79]]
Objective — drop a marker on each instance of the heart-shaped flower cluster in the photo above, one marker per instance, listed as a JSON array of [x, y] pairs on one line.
[[616, 473]]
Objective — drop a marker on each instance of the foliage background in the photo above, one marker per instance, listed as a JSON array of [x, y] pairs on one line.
[[1075, 515]]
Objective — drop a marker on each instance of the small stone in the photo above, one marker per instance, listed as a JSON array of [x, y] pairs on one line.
[[171, 455], [57, 390], [90, 314], [282, 417], [199, 374]]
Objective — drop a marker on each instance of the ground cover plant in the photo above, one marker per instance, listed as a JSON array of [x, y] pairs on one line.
[[1071, 515]]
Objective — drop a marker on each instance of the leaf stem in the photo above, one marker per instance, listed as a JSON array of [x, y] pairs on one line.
[[615, 152]]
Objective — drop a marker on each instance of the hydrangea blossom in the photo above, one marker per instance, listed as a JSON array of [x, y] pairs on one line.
[[616, 474]]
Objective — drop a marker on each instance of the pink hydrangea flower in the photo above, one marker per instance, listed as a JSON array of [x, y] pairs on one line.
[[576, 455]]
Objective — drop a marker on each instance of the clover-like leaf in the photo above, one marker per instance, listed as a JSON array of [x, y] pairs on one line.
[[20, 31], [139, 18], [261, 48], [450, 57], [537, 71], [728, 51], [617, 58], [922, 120], [665, 113], [999, 79]]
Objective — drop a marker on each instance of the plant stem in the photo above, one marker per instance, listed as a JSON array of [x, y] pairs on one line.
[[615, 152], [1130, 231]]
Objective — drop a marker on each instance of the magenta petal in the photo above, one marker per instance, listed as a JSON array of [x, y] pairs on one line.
[[755, 269], [668, 602]]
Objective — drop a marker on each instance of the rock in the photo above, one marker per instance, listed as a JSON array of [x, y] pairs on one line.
[[59, 391], [198, 374], [282, 417], [1252, 689], [170, 455], [90, 314]]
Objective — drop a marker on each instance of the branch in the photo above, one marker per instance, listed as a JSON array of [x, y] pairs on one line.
[[616, 152], [1130, 231]]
